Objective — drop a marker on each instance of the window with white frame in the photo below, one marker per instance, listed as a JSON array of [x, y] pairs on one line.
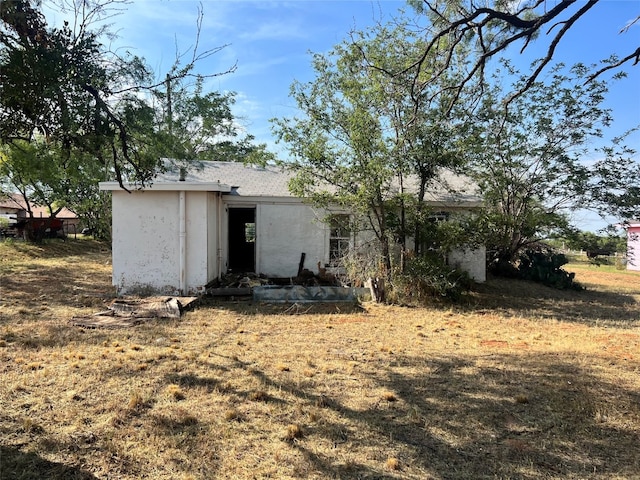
[[339, 238]]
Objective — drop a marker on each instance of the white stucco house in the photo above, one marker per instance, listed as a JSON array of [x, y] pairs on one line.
[[174, 237]]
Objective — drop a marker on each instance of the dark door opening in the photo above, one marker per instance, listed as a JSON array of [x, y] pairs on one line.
[[242, 240]]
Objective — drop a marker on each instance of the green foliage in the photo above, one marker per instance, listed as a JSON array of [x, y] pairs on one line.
[[543, 265], [370, 141], [73, 113], [65, 85], [614, 188], [428, 277], [530, 167], [196, 125], [592, 242]]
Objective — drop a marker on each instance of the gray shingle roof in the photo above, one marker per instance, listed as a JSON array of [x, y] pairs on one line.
[[272, 181], [247, 180]]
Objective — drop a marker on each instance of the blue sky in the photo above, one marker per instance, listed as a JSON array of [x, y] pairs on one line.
[[270, 42]]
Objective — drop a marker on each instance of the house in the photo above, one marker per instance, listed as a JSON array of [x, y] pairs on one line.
[[633, 245], [175, 236], [14, 208]]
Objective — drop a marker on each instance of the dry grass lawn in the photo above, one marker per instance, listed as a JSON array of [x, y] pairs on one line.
[[519, 382]]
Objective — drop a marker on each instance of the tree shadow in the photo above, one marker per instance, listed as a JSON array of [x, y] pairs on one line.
[[525, 417], [521, 297], [60, 286], [246, 306], [18, 465]]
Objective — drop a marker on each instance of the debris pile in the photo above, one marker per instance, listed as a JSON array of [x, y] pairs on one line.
[[237, 284], [128, 312]]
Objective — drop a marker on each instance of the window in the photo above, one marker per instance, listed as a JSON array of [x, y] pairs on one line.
[[429, 236], [439, 217], [339, 238], [250, 232]]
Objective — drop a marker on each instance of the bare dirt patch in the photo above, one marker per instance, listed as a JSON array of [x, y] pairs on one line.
[[519, 382]]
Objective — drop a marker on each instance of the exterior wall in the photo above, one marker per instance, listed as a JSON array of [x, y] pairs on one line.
[[146, 241], [214, 247], [148, 222], [472, 261], [197, 239], [633, 247], [285, 231]]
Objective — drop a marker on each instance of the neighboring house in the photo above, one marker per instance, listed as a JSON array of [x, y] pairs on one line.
[[14, 208], [175, 236], [633, 245], [10, 211]]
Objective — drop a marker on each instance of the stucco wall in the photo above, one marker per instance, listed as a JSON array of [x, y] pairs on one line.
[[146, 241], [197, 233], [283, 232], [472, 261], [633, 248]]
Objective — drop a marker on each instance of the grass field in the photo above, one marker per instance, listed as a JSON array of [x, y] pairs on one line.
[[519, 381]]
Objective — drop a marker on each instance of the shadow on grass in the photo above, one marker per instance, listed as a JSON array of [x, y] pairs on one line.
[[246, 306], [525, 417], [57, 248], [60, 286], [50, 336], [18, 465], [533, 300]]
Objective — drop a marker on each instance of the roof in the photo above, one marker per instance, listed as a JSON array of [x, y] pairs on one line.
[[16, 202], [243, 180]]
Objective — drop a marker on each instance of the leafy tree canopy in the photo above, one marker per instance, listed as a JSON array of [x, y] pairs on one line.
[[73, 113], [487, 30]]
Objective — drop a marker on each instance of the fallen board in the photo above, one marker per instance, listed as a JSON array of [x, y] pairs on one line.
[[133, 311]]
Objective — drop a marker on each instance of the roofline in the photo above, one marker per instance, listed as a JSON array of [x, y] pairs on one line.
[[169, 187], [177, 186]]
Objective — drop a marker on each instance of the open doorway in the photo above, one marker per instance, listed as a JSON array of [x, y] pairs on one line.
[[242, 240]]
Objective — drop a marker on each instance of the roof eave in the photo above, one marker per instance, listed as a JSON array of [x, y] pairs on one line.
[[169, 187]]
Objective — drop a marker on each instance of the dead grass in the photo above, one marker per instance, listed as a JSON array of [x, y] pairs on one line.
[[519, 382]]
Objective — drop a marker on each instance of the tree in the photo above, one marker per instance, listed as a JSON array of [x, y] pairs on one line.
[[595, 244], [73, 113], [340, 150], [364, 134], [65, 85], [530, 162], [491, 29], [196, 125], [613, 186]]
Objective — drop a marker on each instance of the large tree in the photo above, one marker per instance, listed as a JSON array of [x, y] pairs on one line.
[[73, 113], [64, 84], [531, 161], [488, 31], [365, 137], [493, 29]]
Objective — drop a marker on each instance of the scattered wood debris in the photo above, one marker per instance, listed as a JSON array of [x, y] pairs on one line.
[[130, 312]]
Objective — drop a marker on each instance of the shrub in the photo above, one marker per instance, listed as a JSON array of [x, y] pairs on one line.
[[542, 264], [428, 277]]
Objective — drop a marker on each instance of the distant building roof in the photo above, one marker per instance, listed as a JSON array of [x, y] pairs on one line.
[[16, 202]]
